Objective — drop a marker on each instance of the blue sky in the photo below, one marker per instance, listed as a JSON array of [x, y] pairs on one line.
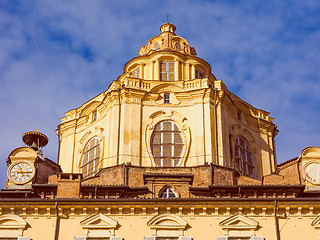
[[56, 55]]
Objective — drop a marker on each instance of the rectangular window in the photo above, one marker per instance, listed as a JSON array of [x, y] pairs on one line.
[[199, 74], [94, 116], [166, 98], [135, 73], [167, 71]]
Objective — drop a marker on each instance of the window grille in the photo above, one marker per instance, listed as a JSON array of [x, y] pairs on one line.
[[166, 144], [91, 157], [167, 71], [243, 159]]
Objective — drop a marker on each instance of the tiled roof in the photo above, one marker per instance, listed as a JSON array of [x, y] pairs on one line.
[[286, 162]]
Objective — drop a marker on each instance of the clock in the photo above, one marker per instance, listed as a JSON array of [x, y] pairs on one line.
[[21, 172], [312, 173]]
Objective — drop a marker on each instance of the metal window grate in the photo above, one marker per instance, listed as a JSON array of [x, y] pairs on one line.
[[91, 157], [166, 144], [243, 160]]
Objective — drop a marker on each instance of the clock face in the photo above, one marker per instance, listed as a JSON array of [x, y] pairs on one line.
[[21, 172], [312, 173]]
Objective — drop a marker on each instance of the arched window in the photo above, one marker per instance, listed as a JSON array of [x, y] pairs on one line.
[[243, 159], [91, 157], [166, 144], [168, 193]]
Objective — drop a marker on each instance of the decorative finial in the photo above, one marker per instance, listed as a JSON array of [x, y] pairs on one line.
[[167, 17], [37, 129]]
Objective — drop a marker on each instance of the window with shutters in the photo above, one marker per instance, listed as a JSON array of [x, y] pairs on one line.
[[166, 144], [135, 73], [91, 157], [243, 159], [167, 71], [168, 193]]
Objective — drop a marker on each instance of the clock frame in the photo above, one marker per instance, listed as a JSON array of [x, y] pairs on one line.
[[312, 173], [21, 172]]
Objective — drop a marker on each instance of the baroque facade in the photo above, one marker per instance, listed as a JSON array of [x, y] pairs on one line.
[[167, 152]]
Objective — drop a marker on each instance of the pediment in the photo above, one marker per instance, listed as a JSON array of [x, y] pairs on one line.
[[12, 222], [239, 222], [310, 152], [316, 222], [167, 221], [99, 221], [26, 153]]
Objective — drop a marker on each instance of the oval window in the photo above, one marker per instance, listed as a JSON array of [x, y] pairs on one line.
[[166, 144], [156, 46], [177, 46]]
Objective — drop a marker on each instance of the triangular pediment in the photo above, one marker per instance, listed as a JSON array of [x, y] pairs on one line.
[[167, 221], [239, 222], [99, 221], [12, 222]]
